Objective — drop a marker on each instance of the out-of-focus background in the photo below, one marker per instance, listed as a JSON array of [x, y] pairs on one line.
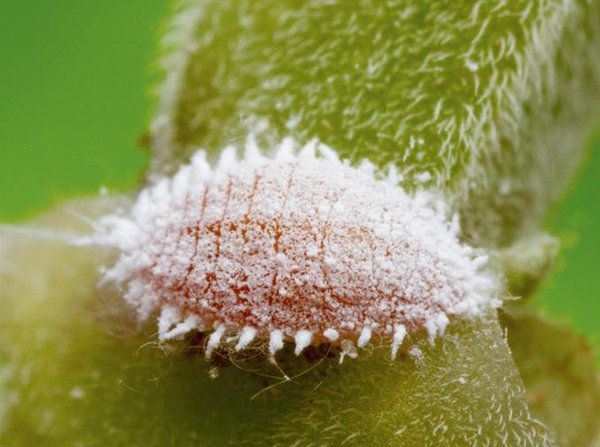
[[75, 97]]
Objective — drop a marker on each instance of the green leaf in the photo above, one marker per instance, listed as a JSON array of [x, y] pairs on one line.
[[527, 262], [492, 100], [558, 369], [77, 371]]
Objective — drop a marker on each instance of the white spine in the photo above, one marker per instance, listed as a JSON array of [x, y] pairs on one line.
[[302, 339], [398, 338], [214, 340], [364, 338], [246, 337], [275, 343]]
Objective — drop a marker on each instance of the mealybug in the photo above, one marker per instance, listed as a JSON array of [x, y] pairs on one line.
[[299, 246]]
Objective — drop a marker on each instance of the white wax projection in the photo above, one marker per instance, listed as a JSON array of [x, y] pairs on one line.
[[298, 246]]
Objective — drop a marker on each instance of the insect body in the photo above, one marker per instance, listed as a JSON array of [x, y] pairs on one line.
[[298, 247]]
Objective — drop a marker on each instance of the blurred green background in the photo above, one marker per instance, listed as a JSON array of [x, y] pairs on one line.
[[75, 97]]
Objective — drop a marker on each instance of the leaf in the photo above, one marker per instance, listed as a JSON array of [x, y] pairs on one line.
[[558, 369], [79, 372], [527, 262], [492, 101]]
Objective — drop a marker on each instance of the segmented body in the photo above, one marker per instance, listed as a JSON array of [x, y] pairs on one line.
[[298, 246]]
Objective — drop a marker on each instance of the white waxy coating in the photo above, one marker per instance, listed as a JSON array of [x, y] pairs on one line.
[[246, 337], [348, 350], [275, 342], [397, 339], [299, 246], [364, 337], [214, 340], [331, 334], [303, 339]]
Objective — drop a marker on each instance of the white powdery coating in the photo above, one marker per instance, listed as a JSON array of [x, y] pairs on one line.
[[300, 246]]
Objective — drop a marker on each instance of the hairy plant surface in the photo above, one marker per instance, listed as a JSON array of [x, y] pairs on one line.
[[558, 369], [79, 373], [486, 103]]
